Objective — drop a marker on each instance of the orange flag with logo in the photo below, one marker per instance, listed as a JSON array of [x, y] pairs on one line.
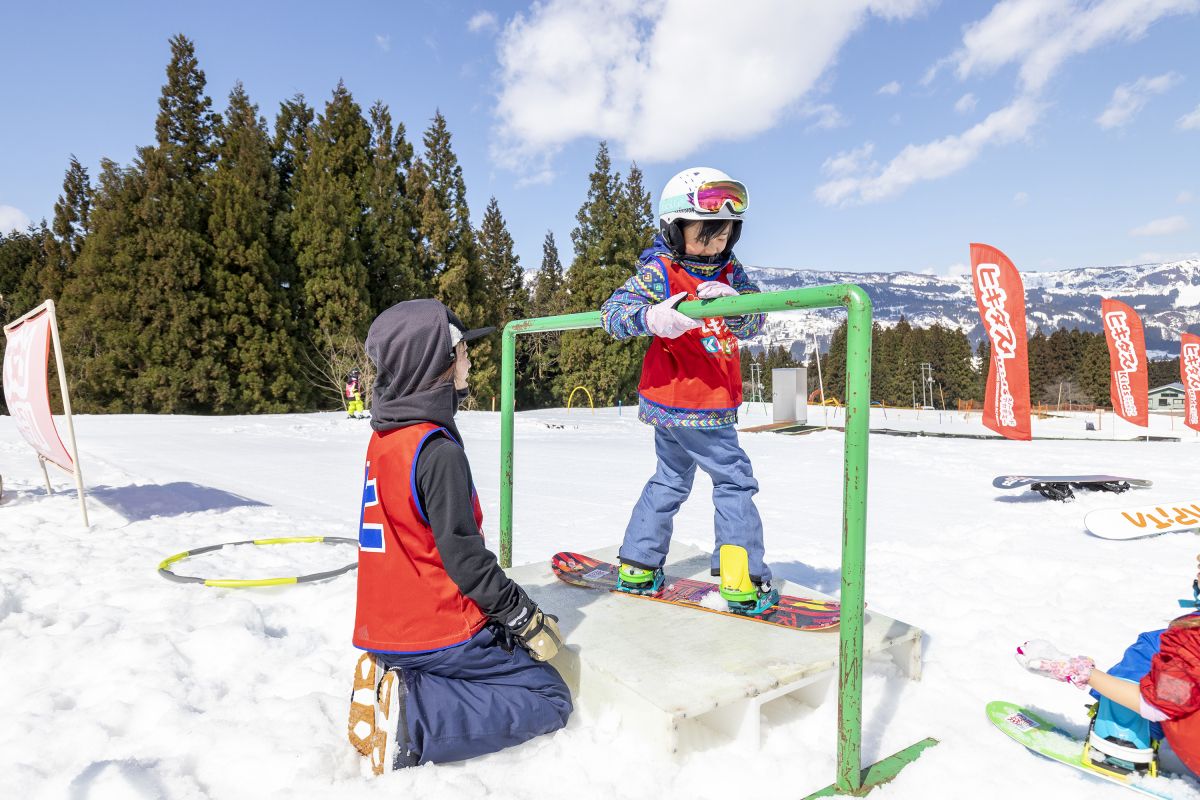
[[1127, 361], [1189, 373], [1000, 296]]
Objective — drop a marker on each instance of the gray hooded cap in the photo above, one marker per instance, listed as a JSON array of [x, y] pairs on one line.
[[409, 344]]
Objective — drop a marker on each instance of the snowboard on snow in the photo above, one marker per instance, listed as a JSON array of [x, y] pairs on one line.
[[800, 613], [1134, 523], [1061, 487], [1050, 741]]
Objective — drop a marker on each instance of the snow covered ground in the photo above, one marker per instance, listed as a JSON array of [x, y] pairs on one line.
[[115, 683]]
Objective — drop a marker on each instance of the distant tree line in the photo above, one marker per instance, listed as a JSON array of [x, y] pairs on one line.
[[232, 262], [1068, 366]]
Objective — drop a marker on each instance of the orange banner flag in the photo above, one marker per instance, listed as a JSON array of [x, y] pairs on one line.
[[1189, 373], [1127, 361], [1000, 296]]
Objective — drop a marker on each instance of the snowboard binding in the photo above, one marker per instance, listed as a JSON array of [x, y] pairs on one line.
[[1064, 491], [744, 595], [639, 580], [1117, 756]]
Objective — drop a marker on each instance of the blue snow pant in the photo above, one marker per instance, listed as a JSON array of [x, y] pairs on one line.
[[680, 451], [1114, 719], [476, 698]]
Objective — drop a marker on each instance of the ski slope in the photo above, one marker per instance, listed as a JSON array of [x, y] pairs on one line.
[[116, 683]]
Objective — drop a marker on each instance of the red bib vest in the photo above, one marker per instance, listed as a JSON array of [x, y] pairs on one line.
[[700, 370], [406, 601]]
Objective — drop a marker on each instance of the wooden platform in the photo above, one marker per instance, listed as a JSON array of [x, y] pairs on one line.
[[672, 668]]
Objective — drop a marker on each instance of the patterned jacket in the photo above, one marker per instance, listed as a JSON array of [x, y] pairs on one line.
[[624, 316]]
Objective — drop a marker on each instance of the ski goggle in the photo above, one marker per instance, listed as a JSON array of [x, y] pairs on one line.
[[712, 196]]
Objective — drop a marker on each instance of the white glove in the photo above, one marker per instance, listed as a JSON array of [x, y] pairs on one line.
[[1042, 658], [710, 290], [663, 320]]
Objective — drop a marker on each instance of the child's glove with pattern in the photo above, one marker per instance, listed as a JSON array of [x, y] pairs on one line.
[[663, 320], [1042, 658], [711, 290]]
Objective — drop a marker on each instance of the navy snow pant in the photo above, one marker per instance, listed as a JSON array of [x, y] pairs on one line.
[[1113, 719], [476, 698], [680, 451]]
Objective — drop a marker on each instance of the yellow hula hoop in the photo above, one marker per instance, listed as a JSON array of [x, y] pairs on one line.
[[242, 583], [591, 405]]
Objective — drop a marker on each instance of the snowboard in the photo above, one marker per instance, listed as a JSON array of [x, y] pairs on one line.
[[1134, 523], [1016, 481], [1050, 741], [800, 613]]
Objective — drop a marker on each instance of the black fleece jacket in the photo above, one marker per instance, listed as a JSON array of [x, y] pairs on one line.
[[410, 346]]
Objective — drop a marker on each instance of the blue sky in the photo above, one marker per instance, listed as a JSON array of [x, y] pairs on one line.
[[873, 134]]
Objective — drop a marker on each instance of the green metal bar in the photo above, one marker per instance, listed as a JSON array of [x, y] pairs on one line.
[[850, 775], [880, 772], [854, 536]]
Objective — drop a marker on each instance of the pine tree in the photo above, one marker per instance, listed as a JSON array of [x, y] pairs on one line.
[[97, 308], [613, 225], [177, 335], [506, 290], [327, 228], [70, 226], [449, 255], [834, 363], [289, 149], [983, 363], [1095, 376], [389, 225], [547, 298], [256, 350], [22, 259]]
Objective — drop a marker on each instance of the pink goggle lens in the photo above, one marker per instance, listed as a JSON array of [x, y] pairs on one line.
[[711, 197]]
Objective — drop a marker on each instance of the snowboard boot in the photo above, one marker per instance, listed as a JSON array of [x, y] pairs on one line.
[[378, 725], [638, 580], [744, 594], [1119, 751]]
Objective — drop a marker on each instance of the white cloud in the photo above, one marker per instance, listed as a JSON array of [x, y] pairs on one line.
[[482, 21], [827, 117], [849, 162], [1129, 98], [1189, 121], [1040, 35], [1036, 35], [384, 42], [1020, 198], [1184, 197], [924, 162], [12, 219], [966, 104], [958, 268], [1162, 227], [892, 87], [620, 70]]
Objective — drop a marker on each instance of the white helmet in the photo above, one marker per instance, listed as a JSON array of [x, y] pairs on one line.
[[701, 194]]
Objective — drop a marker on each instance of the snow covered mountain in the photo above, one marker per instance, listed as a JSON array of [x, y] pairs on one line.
[[1167, 296]]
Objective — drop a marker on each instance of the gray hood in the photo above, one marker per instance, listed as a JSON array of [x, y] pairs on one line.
[[409, 344]]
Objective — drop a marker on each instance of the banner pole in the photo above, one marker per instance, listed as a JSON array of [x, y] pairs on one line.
[[66, 399], [46, 475]]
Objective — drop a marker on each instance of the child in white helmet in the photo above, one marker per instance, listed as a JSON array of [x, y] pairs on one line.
[[691, 387]]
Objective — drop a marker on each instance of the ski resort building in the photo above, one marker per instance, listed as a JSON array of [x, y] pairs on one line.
[[1167, 398]]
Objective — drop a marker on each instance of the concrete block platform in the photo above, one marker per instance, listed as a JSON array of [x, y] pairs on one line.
[[674, 668]]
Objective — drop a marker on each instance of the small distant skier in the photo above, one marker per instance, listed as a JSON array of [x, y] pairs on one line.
[[1152, 692], [691, 387], [455, 662], [354, 401]]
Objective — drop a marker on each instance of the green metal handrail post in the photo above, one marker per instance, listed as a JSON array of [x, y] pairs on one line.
[[850, 778]]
